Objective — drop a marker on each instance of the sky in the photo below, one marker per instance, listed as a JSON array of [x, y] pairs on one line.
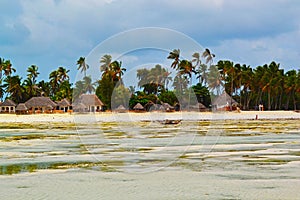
[[53, 33]]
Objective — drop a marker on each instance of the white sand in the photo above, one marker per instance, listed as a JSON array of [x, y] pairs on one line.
[[188, 116]]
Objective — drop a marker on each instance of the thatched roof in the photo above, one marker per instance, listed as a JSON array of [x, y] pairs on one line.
[[195, 107], [223, 100], [167, 106], [79, 106], [138, 106], [40, 102], [8, 102], [121, 107], [21, 107], [90, 100], [64, 103]]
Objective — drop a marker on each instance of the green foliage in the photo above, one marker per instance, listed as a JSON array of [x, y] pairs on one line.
[[105, 89], [168, 97], [202, 94], [142, 98]]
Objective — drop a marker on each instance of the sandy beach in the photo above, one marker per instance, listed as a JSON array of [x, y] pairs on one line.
[[153, 116]]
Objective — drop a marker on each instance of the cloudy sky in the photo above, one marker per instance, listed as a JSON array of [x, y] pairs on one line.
[[53, 33]]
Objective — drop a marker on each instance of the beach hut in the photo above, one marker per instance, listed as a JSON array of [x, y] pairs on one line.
[[224, 102], [21, 108], [196, 107], [40, 105], [168, 108], [120, 109], [138, 107], [88, 103], [64, 105], [8, 106]]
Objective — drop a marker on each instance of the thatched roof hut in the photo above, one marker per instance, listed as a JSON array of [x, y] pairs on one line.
[[196, 107], [168, 107], [40, 104], [8, 106], [91, 102], [21, 108], [64, 105], [138, 107], [120, 108], [223, 101], [8, 102]]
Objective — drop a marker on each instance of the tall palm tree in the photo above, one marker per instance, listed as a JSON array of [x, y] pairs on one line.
[[117, 70], [82, 65], [208, 56], [290, 85], [214, 79], [54, 81], [105, 63], [174, 55], [6, 67], [14, 88], [186, 68], [88, 85], [63, 74], [33, 73]]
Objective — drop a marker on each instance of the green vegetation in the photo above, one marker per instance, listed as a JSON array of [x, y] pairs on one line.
[[267, 84]]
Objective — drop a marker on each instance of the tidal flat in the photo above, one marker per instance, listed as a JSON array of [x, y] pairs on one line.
[[219, 159]]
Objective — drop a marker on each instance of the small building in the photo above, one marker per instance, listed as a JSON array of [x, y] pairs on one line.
[[8, 106], [168, 107], [121, 109], [224, 102], [21, 109], [40, 105], [138, 107], [64, 105], [88, 103], [197, 107]]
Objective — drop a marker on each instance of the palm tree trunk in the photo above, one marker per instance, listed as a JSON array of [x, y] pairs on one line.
[[269, 99], [288, 101]]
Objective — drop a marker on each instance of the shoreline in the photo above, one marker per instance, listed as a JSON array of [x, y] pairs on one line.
[[148, 116]]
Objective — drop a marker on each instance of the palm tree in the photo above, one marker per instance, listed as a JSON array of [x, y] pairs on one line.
[[88, 85], [174, 55], [54, 81], [6, 67], [290, 85], [186, 68], [33, 73], [214, 79], [79, 89], [82, 65], [202, 72], [14, 88], [246, 80], [208, 56], [117, 70], [106, 63], [44, 88], [63, 74]]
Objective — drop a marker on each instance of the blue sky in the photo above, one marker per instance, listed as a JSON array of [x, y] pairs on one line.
[[53, 33]]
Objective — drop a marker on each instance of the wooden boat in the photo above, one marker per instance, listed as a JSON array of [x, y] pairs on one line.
[[170, 121]]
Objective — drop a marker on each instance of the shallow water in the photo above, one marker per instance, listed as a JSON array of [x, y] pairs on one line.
[[259, 157]]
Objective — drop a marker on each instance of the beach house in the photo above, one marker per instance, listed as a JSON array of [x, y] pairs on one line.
[[64, 105], [224, 102], [40, 105], [8, 106], [88, 103]]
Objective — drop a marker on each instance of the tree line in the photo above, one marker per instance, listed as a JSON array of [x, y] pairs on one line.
[[268, 84]]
